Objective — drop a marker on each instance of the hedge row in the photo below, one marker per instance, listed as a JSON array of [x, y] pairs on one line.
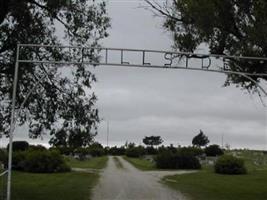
[[39, 161], [168, 160]]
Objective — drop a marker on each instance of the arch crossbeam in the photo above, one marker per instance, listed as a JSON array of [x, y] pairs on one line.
[[120, 57], [138, 58]]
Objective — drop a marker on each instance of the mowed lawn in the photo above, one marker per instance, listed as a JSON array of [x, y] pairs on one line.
[[206, 185], [57, 186], [93, 163], [140, 163]]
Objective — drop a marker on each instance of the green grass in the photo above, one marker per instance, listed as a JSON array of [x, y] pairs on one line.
[[118, 163], [58, 186], [93, 163], [206, 185], [254, 160], [140, 163]]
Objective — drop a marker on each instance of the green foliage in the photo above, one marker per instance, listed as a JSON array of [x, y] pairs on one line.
[[63, 150], [170, 148], [3, 157], [135, 152], [73, 138], [169, 160], [37, 147], [200, 140], [81, 153], [19, 146], [228, 164], [213, 150], [193, 151], [18, 159], [152, 140], [227, 27], [116, 151], [59, 100], [151, 150], [39, 161], [96, 149]]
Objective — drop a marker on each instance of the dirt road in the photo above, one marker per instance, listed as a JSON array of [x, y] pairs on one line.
[[129, 183]]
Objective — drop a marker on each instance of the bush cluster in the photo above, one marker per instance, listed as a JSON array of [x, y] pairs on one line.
[[213, 150], [3, 157], [116, 151], [193, 151], [135, 152], [89, 151], [39, 161], [169, 160], [228, 164], [151, 150], [19, 146]]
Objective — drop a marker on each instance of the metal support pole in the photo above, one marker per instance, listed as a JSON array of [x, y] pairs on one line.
[[107, 132], [12, 124]]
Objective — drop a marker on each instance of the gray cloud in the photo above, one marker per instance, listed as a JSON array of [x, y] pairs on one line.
[[172, 103]]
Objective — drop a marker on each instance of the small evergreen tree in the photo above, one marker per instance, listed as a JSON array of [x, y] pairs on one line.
[[200, 140]]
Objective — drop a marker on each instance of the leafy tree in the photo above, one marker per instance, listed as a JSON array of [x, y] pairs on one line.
[[96, 145], [130, 145], [152, 140], [59, 139], [200, 139], [73, 138], [213, 150], [62, 97], [229, 27]]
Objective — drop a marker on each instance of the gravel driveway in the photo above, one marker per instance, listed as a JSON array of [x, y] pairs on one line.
[[129, 183]]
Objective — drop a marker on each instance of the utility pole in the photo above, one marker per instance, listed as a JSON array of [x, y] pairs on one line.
[[107, 132], [222, 139]]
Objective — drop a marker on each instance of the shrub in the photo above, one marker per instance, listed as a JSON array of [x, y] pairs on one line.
[[164, 160], [169, 160], [19, 146], [116, 151], [151, 151], [192, 151], [18, 159], [228, 164], [39, 161], [135, 152], [3, 157], [213, 150], [37, 147], [63, 150], [81, 153], [94, 151]]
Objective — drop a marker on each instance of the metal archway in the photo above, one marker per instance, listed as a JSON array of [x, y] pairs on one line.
[[83, 55]]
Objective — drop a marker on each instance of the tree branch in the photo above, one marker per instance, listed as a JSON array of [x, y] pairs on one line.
[[55, 16], [161, 11]]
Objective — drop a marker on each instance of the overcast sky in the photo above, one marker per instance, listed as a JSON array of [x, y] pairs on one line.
[[174, 104]]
